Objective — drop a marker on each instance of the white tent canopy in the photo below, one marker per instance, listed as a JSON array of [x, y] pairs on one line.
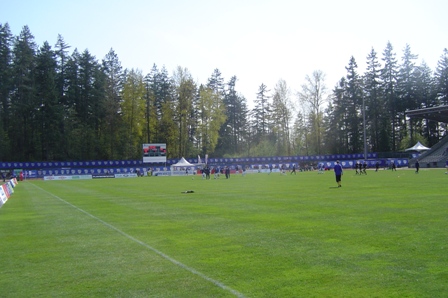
[[182, 163], [418, 147]]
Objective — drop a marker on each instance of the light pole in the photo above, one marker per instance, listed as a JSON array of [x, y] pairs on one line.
[[364, 127]]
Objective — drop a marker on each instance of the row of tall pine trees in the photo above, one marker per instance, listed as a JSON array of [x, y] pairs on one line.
[[58, 103]]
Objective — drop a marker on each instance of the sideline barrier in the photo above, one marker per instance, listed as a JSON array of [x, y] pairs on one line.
[[140, 164], [88, 177], [107, 169], [3, 197], [74, 177], [130, 175], [165, 170], [6, 190]]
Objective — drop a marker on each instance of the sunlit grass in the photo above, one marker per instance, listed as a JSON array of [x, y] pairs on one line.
[[380, 235]]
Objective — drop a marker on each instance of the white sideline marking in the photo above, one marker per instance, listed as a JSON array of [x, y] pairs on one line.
[[192, 270]]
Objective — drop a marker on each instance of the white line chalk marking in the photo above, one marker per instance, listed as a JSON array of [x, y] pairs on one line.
[[192, 270]]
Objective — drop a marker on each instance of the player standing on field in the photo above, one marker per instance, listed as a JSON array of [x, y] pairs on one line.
[[338, 173]]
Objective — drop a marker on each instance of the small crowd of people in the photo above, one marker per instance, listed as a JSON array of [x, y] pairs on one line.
[[11, 175], [216, 171], [361, 168]]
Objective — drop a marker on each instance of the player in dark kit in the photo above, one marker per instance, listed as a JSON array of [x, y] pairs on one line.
[[394, 167], [358, 168], [338, 173]]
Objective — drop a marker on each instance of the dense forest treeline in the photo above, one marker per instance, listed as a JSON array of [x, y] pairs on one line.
[[61, 105]]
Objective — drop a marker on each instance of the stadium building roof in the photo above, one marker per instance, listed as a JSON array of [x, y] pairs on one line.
[[439, 113]]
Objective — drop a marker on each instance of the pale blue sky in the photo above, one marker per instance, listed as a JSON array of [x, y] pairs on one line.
[[258, 41]]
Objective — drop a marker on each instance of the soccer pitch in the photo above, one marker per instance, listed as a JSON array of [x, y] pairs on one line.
[[384, 234]]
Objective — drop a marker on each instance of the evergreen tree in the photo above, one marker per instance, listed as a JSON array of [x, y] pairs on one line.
[[216, 83], [165, 89], [166, 132], [339, 119], [159, 99], [149, 104], [5, 71], [88, 106], [85, 107], [185, 95], [389, 76], [354, 98], [441, 76], [72, 134], [62, 59], [232, 132], [406, 85], [22, 124], [328, 131], [5, 87], [99, 113], [50, 112], [261, 114], [114, 76], [426, 93], [84, 102], [374, 104], [153, 99]]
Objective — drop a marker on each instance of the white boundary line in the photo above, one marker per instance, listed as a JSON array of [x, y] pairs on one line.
[[175, 262]]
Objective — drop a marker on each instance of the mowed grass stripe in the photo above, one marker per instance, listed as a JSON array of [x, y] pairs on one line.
[[278, 236], [215, 282], [66, 253]]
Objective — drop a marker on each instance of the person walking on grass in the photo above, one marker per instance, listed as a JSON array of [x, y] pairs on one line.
[[394, 167], [417, 166], [338, 173]]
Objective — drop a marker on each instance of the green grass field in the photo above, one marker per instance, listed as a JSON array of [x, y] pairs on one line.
[[380, 235]]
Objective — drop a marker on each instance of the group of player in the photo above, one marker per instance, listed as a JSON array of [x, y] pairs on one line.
[[361, 168], [217, 171]]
